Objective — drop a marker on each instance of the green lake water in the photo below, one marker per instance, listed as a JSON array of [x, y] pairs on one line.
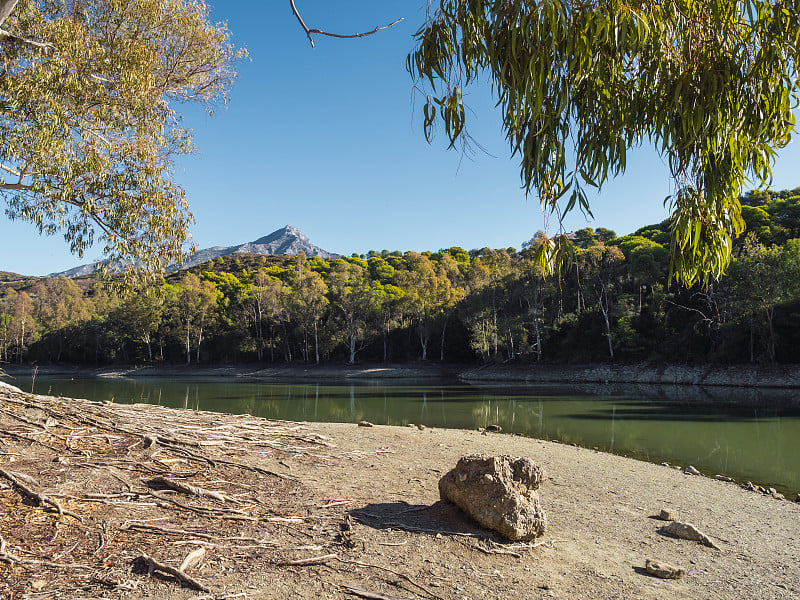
[[745, 434]]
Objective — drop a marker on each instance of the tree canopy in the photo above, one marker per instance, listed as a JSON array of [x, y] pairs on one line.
[[89, 126], [711, 85]]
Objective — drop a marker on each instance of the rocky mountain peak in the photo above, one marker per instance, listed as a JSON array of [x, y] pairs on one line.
[[286, 240]]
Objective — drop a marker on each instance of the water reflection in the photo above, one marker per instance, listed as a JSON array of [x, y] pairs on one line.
[[753, 434]]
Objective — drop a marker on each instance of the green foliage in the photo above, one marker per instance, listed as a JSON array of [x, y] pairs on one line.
[[90, 128], [710, 85], [609, 300]]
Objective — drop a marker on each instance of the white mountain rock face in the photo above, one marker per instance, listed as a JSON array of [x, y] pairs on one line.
[[285, 241]]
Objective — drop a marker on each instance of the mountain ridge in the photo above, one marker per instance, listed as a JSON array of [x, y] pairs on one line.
[[287, 240]]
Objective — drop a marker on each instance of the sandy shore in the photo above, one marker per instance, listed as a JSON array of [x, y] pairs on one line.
[[601, 510]]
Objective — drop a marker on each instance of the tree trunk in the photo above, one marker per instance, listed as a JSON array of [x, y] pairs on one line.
[[6, 6], [444, 329], [770, 328], [200, 335], [533, 307], [352, 349], [316, 342], [188, 344]]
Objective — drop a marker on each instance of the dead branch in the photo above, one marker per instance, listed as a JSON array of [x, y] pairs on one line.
[[155, 529], [153, 565], [224, 513], [371, 595], [310, 32], [359, 563], [314, 560], [9, 558], [40, 499], [192, 559], [188, 489]]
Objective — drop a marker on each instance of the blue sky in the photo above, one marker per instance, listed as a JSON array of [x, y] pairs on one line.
[[330, 140]]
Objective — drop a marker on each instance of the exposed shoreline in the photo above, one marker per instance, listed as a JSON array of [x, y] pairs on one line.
[[739, 376], [600, 507]]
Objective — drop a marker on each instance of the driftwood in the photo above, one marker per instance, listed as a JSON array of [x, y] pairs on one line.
[[190, 490], [192, 559], [153, 565], [9, 558], [361, 593], [304, 562], [149, 486], [40, 499]]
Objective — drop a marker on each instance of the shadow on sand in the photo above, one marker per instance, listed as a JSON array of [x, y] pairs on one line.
[[441, 518]]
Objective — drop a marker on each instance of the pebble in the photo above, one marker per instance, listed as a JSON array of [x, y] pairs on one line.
[[690, 470], [668, 515], [364, 424], [723, 478], [663, 570]]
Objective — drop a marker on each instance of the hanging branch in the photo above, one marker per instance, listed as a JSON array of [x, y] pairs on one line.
[[310, 32]]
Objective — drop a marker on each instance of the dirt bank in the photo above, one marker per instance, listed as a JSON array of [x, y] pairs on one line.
[[359, 504], [246, 372], [742, 376], [736, 375]]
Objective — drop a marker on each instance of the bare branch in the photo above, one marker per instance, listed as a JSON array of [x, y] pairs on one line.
[[10, 38], [6, 6], [11, 170], [310, 32]]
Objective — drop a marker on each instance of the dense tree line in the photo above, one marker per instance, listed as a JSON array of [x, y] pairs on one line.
[[611, 299]]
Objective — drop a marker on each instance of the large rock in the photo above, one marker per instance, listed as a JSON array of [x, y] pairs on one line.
[[499, 492]]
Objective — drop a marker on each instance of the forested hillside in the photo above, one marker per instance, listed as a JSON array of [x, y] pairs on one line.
[[610, 301]]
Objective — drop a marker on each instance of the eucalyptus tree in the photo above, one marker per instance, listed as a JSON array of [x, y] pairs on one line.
[[764, 278], [89, 126], [60, 306], [308, 303], [264, 305], [353, 300], [711, 85], [601, 267], [191, 302], [428, 295]]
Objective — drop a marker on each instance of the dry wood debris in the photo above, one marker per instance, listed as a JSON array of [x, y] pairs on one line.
[[113, 493]]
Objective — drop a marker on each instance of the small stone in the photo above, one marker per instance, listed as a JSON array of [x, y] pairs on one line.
[[495, 428], [687, 531], [421, 427], [668, 515], [663, 570], [722, 478], [38, 585], [797, 499], [778, 496], [772, 491], [665, 464], [690, 470], [410, 425], [677, 467], [364, 424]]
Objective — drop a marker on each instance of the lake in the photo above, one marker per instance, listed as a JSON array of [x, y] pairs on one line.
[[746, 434]]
